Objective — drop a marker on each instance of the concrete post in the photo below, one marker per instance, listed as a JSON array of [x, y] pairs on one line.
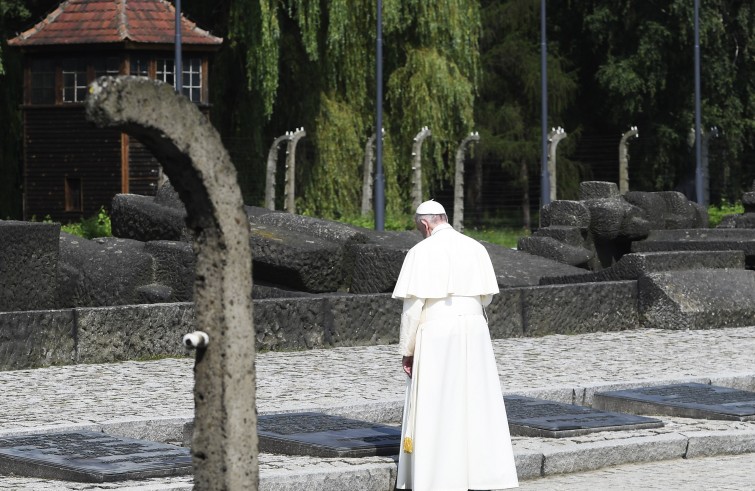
[[367, 177], [272, 166], [224, 448], [290, 190], [555, 136], [706, 164], [624, 159], [459, 180], [705, 144], [417, 166]]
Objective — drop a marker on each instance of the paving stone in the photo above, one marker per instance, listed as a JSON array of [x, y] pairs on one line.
[[731, 473], [155, 398]]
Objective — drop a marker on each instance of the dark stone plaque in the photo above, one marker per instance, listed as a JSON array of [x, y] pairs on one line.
[[323, 435], [538, 417], [686, 400], [87, 456]]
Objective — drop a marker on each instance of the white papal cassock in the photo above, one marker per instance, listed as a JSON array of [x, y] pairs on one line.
[[454, 416]]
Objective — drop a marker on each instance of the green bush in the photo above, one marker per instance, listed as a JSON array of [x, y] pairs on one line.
[[717, 212], [90, 228]]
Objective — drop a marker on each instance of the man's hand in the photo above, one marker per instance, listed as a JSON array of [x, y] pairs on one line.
[[407, 362]]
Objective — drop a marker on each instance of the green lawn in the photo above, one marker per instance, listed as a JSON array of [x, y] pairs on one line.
[[506, 237]]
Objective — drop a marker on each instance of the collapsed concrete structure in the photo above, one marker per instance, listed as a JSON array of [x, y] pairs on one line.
[[606, 262], [320, 283]]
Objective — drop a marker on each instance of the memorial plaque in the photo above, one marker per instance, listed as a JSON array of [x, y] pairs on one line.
[[88, 456], [686, 400], [323, 435], [538, 417]]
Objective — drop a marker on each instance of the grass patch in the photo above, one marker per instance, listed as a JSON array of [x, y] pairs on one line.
[[507, 237], [392, 222], [495, 234], [717, 212]]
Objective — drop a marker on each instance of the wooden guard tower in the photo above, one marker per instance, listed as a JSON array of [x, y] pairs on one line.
[[71, 168]]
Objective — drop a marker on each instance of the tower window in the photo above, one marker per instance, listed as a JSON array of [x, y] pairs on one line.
[[74, 80], [43, 82]]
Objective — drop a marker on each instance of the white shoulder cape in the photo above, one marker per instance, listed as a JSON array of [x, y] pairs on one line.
[[446, 263]]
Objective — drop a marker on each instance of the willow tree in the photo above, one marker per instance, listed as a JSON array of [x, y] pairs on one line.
[[311, 63]]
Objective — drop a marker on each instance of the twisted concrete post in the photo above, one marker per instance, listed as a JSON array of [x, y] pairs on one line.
[[224, 447], [290, 190], [624, 159], [706, 162], [417, 166], [367, 177], [272, 165], [555, 136], [459, 180]]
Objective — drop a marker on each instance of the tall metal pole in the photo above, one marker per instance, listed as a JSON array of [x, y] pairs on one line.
[[379, 181], [698, 133], [544, 175], [178, 75]]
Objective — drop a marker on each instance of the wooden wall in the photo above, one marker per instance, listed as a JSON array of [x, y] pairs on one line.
[[60, 143]]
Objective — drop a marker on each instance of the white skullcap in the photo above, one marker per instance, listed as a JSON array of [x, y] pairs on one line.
[[431, 208]]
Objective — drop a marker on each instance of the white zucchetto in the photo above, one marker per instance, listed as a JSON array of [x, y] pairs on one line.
[[431, 208]]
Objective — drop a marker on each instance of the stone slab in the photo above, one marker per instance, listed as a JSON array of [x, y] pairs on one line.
[[36, 338], [102, 272], [585, 395], [326, 229], [329, 477], [131, 332], [690, 400], [705, 239], [596, 455], [174, 266], [529, 465], [295, 260], [554, 250], [505, 314], [709, 443], [528, 416], [697, 299], [374, 266], [87, 456], [324, 435], [326, 320], [141, 218], [516, 268], [580, 308], [28, 265], [634, 265]]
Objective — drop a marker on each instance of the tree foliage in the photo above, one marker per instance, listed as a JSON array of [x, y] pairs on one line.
[[311, 63], [13, 13], [455, 66], [509, 107], [636, 64]]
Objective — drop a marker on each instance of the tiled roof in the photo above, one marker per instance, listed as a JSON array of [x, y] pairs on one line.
[[113, 21]]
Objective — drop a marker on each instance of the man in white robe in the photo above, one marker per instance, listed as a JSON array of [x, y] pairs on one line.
[[455, 433]]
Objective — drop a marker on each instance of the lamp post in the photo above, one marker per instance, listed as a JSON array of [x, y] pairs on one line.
[[698, 134], [178, 75], [379, 181], [544, 176]]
